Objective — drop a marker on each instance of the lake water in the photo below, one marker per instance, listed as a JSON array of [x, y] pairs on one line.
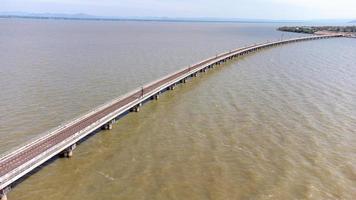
[[277, 124]]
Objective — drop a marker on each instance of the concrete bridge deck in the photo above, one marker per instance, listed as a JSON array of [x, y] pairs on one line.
[[62, 140]]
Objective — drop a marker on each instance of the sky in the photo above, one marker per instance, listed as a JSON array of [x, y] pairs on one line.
[[242, 9]]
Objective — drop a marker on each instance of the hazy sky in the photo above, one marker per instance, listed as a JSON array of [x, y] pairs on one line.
[[257, 9]]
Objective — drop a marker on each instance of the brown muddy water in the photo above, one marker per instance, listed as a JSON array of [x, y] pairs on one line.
[[277, 124]]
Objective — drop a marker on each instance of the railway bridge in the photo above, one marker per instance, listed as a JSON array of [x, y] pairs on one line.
[[62, 140]]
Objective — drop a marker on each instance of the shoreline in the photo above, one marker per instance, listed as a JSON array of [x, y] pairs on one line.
[[345, 31]]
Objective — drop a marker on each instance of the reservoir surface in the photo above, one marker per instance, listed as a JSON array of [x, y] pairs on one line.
[[276, 124]]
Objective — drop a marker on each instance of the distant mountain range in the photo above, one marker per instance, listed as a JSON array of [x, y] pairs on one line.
[[83, 16], [47, 15]]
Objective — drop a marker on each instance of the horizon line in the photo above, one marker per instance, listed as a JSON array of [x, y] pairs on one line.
[[84, 16]]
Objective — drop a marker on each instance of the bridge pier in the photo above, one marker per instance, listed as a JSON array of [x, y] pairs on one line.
[[184, 80], [136, 108], [3, 193], [108, 126], [156, 96], [3, 197], [172, 87], [68, 153]]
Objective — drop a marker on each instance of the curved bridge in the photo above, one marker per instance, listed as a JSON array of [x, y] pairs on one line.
[[62, 140]]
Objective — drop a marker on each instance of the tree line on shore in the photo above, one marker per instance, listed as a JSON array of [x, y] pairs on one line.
[[313, 29]]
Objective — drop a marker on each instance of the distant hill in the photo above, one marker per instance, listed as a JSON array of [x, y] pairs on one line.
[[82, 16], [46, 15]]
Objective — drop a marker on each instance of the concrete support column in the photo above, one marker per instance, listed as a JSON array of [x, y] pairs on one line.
[[3, 193], [136, 108], [3, 197], [194, 75], [68, 153], [183, 80], [172, 87], [108, 126], [156, 96]]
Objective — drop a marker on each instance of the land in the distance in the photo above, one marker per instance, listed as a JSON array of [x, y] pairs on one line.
[[84, 16], [347, 31]]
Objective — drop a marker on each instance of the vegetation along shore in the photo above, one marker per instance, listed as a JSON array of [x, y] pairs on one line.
[[348, 31]]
